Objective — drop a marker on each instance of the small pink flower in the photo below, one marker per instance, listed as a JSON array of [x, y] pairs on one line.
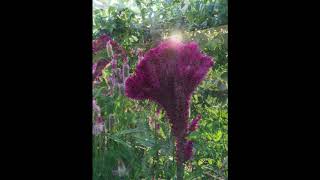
[[157, 126], [96, 108], [98, 126]]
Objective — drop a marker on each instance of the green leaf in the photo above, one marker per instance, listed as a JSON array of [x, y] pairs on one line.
[[145, 142], [222, 86], [217, 136], [135, 38], [116, 139], [136, 130], [224, 76], [200, 162], [103, 54]]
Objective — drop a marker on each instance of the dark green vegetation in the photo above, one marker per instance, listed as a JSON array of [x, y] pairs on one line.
[[131, 147]]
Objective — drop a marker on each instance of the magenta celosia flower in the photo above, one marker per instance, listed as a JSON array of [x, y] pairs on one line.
[[118, 50], [168, 74], [100, 43], [98, 67], [113, 48]]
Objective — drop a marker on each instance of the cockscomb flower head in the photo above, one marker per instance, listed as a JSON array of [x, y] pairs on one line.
[[168, 74]]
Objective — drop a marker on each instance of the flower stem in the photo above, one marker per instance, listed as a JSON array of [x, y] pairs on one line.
[[180, 158], [180, 171], [156, 142]]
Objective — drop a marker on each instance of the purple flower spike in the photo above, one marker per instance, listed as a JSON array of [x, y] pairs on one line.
[[125, 71], [109, 49], [194, 123], [98, 126], [94, 67], [168, 74], [96, 108], [114, 63], [119, 75], [188, 150]]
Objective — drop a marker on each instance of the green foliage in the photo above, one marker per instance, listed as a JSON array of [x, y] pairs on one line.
[[131, 147]]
